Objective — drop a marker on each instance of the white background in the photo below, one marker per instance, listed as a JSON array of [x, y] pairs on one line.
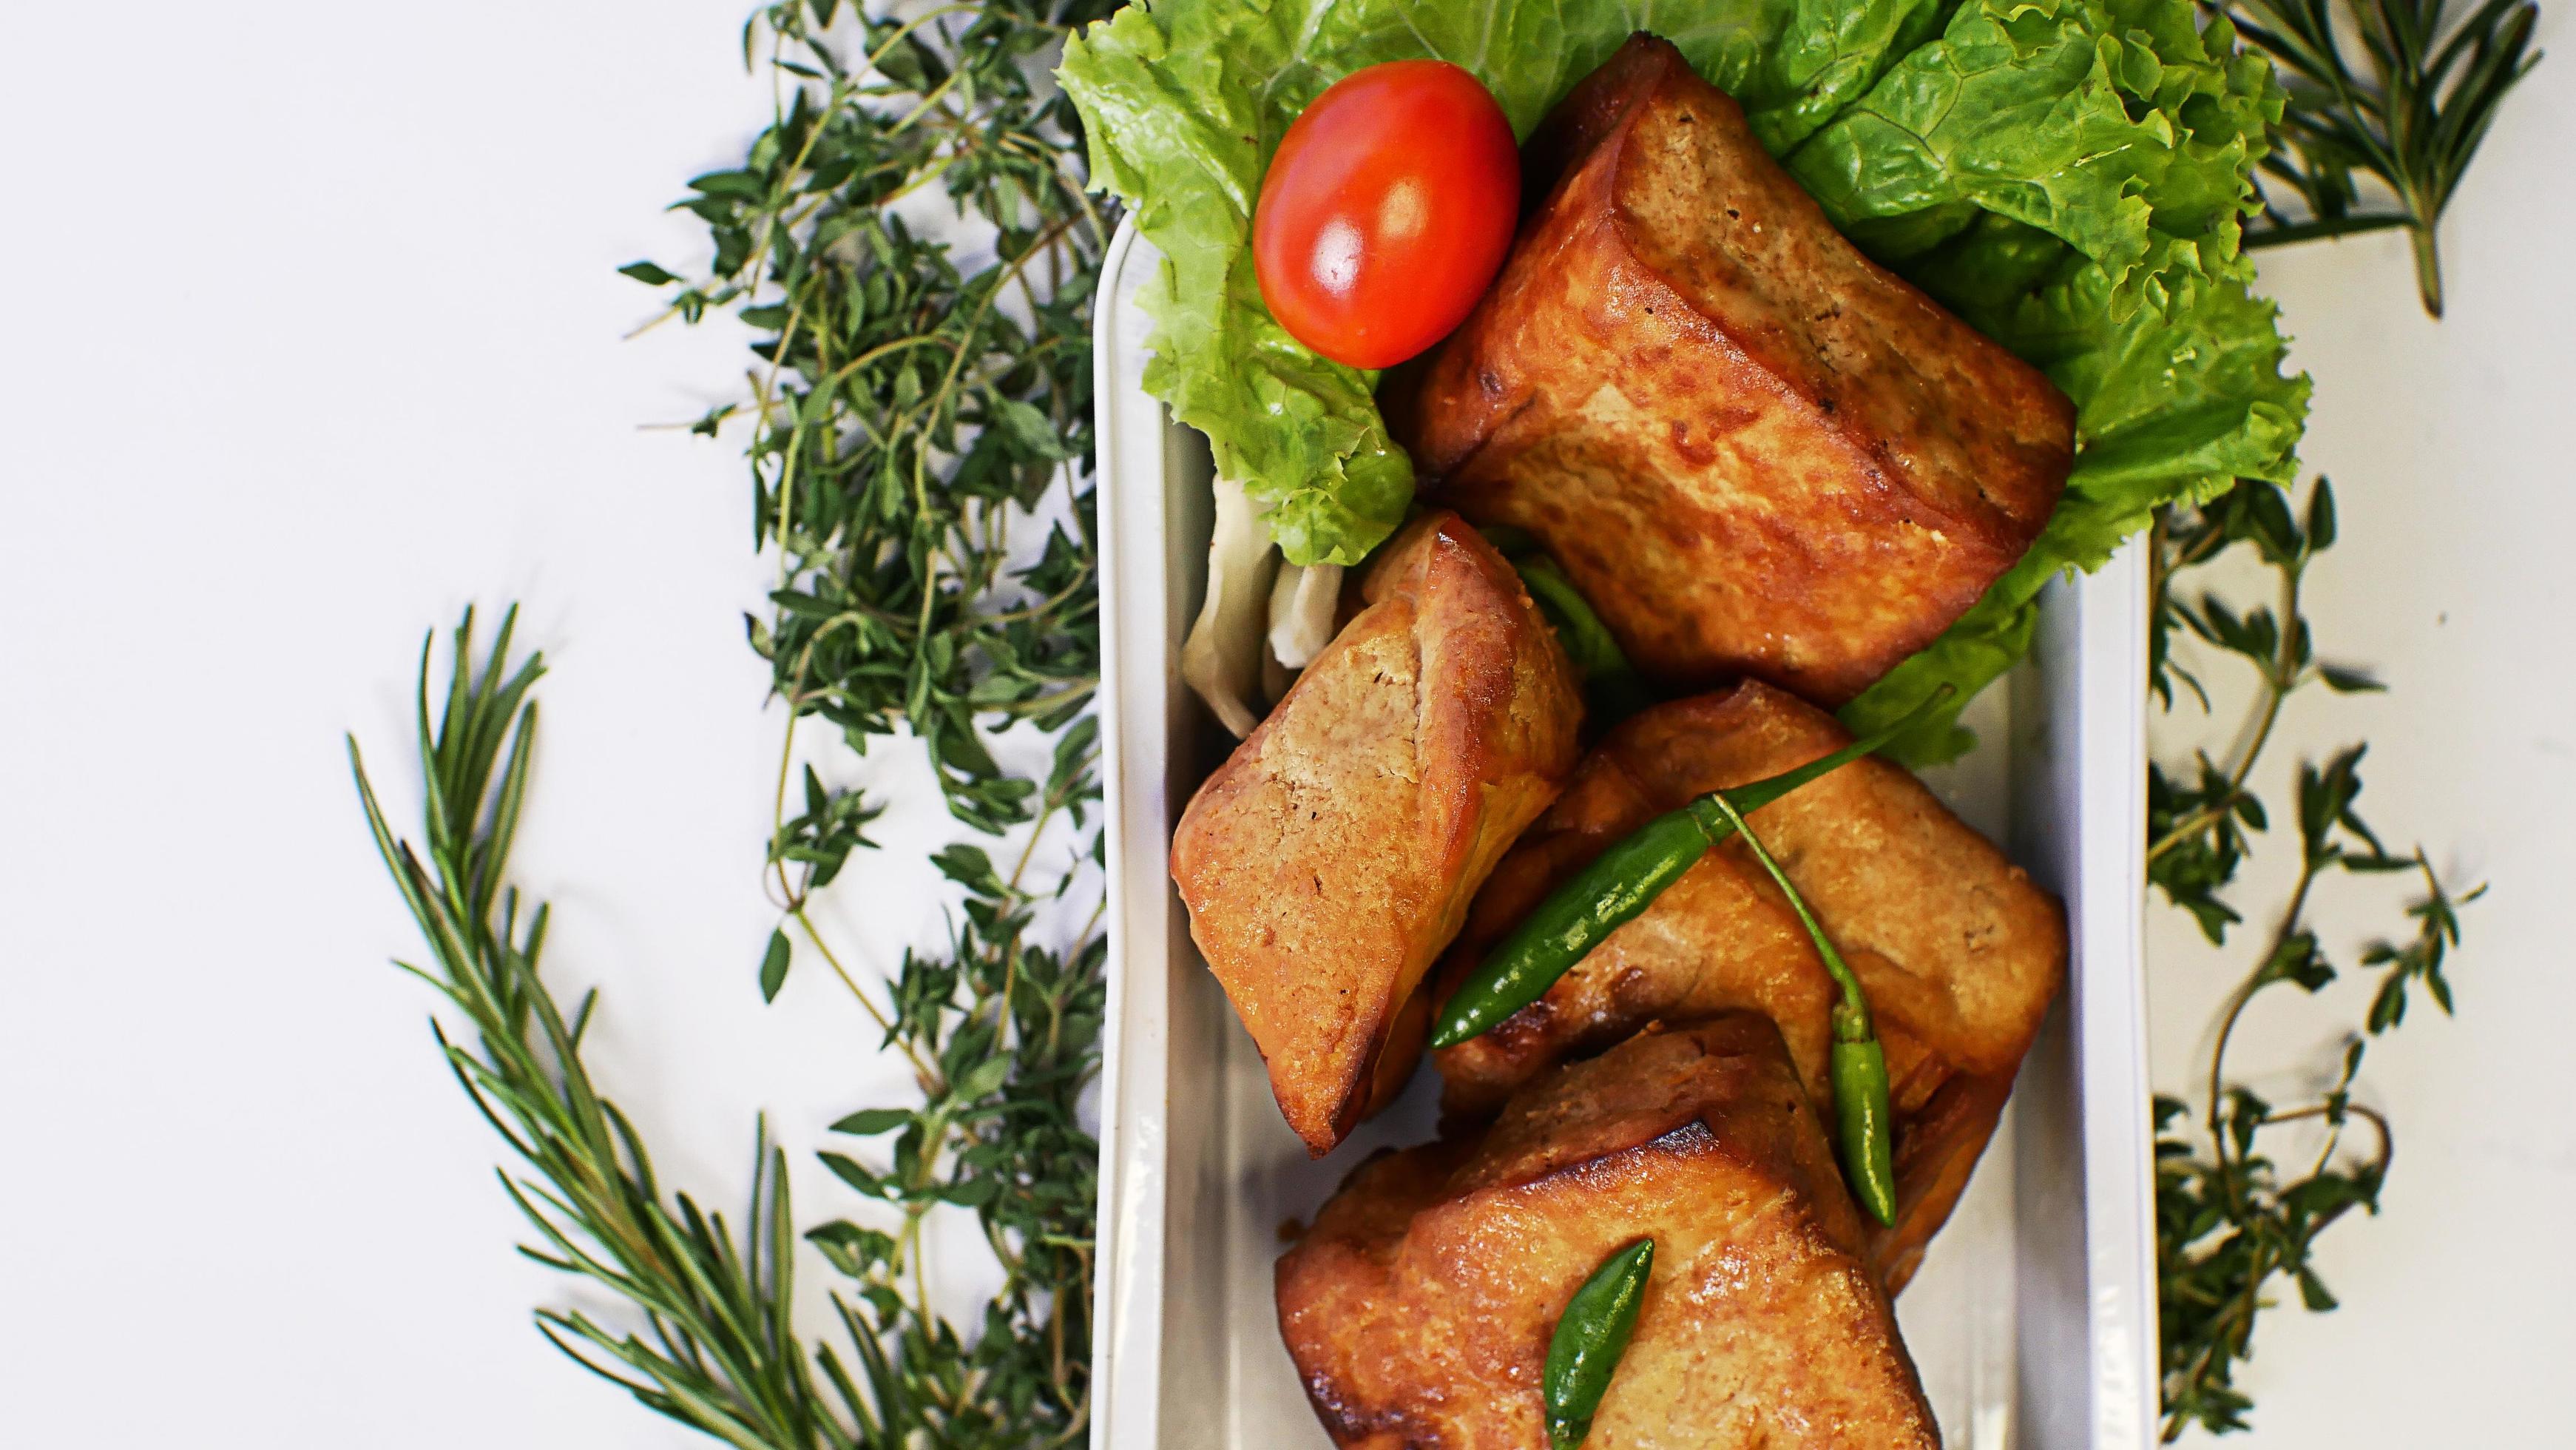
[[311, 338]]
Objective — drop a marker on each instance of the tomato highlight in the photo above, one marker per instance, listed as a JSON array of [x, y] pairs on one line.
[[1386, 211]]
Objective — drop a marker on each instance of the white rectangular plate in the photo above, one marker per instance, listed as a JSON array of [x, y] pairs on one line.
[[2033, 1318]]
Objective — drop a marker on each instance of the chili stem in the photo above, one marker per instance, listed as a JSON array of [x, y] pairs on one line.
[[1855, 1004], [1862, 1110]]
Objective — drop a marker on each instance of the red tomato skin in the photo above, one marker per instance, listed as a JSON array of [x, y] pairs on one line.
[[1386, 211]]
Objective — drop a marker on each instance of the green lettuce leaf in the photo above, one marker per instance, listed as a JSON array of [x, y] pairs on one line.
[[2068, 175]]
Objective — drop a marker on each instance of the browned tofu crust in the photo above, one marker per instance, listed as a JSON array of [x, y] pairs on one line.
[[1419, 1307], [1756, 451], [1959, 952], [1331, 858]]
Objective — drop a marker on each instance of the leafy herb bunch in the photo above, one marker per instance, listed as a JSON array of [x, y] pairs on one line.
[[910, 415], [2229, 1219], [920, 436]]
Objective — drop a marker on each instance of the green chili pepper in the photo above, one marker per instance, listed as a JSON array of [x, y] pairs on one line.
[[1610, 683], [1590, 1337], [1619, 884], [1858, 1066]]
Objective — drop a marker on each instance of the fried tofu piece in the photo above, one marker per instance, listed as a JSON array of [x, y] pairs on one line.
[[1419, 1307], [1756, 451], [1959, 952], [1330, 859]]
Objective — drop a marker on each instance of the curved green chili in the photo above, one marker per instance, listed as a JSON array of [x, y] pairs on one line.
[[1615, 887], [1858, 1066], [1590, 1337]]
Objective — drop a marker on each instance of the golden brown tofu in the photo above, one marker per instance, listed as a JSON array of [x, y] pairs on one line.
[[1960, 954], [1756, 451], [1419, 1307], [1331, 858]]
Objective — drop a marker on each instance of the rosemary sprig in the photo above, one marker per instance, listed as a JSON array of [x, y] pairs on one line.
[[713, 1344], [2410, 117], [715, 1348], [2229, 1219]]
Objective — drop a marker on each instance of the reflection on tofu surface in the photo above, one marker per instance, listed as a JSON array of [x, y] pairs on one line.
[[1959, 953], [1757, 452], [1329, 860], [1419, 1307]]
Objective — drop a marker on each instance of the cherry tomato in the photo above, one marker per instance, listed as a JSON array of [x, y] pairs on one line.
[[1387, 211]]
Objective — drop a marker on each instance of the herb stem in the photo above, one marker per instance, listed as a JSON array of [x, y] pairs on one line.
[[2238, 1000], [2409, 120], [2428, 267], [2324, 228], [2279, 677]]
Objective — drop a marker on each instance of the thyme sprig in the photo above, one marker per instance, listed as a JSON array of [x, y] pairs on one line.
[[909, 416], [2229, 1219], [2409, 115], [919, 435]]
